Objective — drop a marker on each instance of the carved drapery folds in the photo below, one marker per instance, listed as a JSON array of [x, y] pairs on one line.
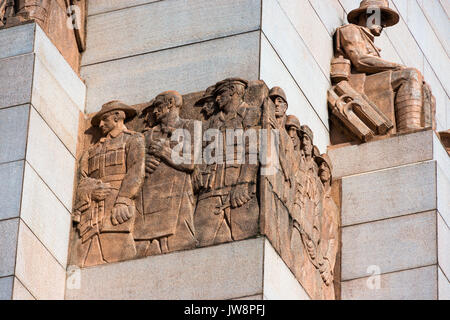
[[371, 96], [206, 168]]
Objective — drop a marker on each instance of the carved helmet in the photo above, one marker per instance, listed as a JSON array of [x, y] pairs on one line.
[[388, 16], [228, 82], [112, 106], [292, 121], [324, 158], [277, 92], [307, 130]]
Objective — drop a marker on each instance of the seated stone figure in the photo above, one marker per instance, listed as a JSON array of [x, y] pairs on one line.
[[373, 96]]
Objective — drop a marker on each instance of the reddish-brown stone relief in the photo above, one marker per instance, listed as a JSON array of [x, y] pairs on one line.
[[182, 172], [371, 96]]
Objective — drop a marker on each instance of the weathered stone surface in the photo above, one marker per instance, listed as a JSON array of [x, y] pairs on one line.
[[149, 28], [11, 177], [20, 292], [13, 133], [16, 80], [382, 154], [219, 272], [6, 287], [443, 231], [279, 282], [330, 12], [52, 161], [37, 268], [66, 78], [389, 193], [103, 6], [45, 215], [147, 75], [444, 286], [295, 55], [16, 41], [47, 94], [8, 243], [412, 284], [392, 245]]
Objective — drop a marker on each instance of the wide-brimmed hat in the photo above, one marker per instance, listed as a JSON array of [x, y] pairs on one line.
[[112, 106], [292, 121], [207, 96], [278, 92], [228, 82], [388, 16]]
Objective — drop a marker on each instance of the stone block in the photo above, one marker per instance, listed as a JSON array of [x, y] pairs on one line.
[[61, 72], [440, 95], [274, 73], [426, 38], [389, 193], [55, 106], [8, 243], [20, 292], [149, 28], [45, 215], [225, 271], [296, 56], [16, 77], [390, 245], [330, 13], [51, 160], [184, 69], [412, 284], [443, 231], [16, 41], [103, 6], [13, 133], [382, 154], [6, 288], [313, 32], [11, 177], [37, 269], [444, 286], [279, 282]]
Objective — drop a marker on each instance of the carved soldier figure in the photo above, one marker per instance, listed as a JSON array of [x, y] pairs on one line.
[[278, 221], [207, 103], [328, 246], [307, 201], [166, 206], [227, 208], [112, 172], [293, 128], [390, 92]]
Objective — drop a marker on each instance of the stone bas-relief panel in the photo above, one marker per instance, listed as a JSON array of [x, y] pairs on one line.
[[371, 96], [63, 21], [201, 169]]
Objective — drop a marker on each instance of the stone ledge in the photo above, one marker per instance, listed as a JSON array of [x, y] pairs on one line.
[[227, 271]]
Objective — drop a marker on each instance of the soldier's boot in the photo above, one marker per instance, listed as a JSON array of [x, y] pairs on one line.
[[408, 105]]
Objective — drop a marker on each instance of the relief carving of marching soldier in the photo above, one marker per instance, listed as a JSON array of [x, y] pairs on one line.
[[278, 222], [112, 172], [227, 207], [166, 204]]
